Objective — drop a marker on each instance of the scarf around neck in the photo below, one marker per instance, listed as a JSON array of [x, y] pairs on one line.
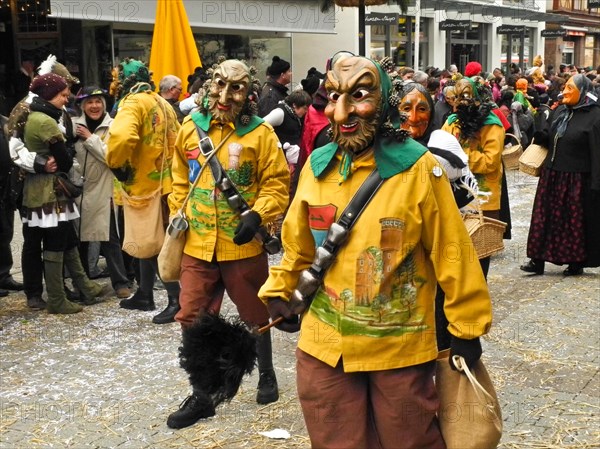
[[38, 104], [93, 124]]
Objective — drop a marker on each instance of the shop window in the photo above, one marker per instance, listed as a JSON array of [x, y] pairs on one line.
[[257, 51], [132, 44], [467, 45], [398, 42], [32, 16], [512, 44]]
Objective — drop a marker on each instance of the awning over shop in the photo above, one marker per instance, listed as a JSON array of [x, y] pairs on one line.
[[461, 10], [265, 15]]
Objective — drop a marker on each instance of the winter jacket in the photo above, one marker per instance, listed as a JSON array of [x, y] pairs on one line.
[[376, 306], [272, 93], [254, 163], [95, 201], [43, 205], [144, 128]]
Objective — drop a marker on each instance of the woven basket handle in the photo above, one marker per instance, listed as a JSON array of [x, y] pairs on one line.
[[516, 138]]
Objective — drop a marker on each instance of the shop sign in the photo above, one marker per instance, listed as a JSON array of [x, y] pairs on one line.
[[511, 29], [451, 25], [593, 4], [553, 33], [377, 18]]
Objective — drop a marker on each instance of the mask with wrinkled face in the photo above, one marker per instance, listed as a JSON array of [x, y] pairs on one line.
[[571, 93], [354, 92], [228, 90], [416, 107]]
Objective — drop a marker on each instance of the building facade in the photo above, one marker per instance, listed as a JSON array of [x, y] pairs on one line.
[[89, 37], [577, 40]]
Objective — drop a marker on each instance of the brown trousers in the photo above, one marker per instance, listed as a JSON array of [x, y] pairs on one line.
[[204, 283], [391, 409]]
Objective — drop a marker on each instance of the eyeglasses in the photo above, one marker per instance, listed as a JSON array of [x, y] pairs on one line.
[[178, 88]]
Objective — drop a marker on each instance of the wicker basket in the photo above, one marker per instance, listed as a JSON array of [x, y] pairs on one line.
[[486, 233], [532, 159], [512, 153]]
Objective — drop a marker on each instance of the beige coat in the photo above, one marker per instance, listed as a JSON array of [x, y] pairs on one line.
[[95, 201]]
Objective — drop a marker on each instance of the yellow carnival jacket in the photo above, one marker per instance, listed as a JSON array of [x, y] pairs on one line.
[[376, 306], [485, 159], [145, 126], [253, 161]]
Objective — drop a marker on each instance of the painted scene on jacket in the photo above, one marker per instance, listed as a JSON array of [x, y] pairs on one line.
[[227, 219], [383, 300]]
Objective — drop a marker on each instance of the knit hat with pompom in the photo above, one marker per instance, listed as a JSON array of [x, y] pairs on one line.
[[278, 67]]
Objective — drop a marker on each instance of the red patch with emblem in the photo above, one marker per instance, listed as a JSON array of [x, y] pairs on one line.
[[193, 153], [321, 217]]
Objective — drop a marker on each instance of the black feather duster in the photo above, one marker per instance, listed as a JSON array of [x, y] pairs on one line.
[[217, 353]]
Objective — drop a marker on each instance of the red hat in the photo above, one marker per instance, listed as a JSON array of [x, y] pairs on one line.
[[473, 68], [48, 86]]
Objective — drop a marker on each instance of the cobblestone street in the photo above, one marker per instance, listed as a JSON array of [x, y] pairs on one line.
[[108, 377]]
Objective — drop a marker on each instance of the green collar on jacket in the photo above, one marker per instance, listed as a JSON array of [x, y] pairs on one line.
[[491, 119], [391, 157], [203, 121]]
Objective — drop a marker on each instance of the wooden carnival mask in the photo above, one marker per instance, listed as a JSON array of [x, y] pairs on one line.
[[571, 93], [418, 109], [463, 93], [354, 92], [228, 90]]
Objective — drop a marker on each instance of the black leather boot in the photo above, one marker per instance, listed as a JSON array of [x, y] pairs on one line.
[[140, 301], [574, 269], [168, 315], [267, 383], [534, 266], [192, 409]]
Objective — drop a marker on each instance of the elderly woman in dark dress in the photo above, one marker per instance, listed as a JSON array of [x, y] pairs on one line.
[[566, 210]]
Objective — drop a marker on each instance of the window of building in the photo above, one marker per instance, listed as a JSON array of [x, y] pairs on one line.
[[517, 49], [32, 16], [463, 46], [588, 51], [257, 51], [399, 42]]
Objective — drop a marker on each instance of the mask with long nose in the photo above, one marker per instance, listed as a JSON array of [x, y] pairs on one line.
[[228, 90], [354, 102], [571, 93]]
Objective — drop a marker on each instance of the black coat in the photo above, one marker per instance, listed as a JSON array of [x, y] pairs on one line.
[[272, 93], [579, 149]]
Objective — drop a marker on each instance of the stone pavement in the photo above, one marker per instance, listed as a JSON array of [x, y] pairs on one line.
[[108, 377]]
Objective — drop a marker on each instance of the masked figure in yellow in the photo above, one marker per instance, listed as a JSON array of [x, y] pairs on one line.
[[367, 349], [222, 252], [481, 135]]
